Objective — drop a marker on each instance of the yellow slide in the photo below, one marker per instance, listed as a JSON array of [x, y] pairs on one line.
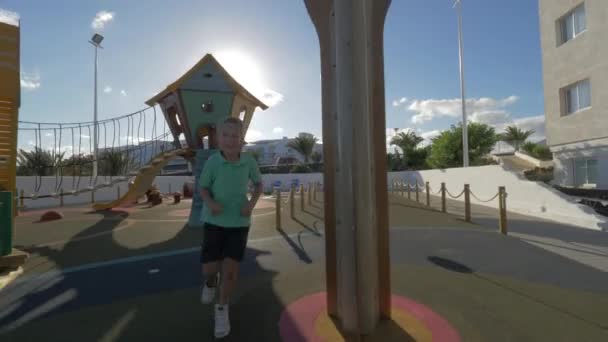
[[143, 180]]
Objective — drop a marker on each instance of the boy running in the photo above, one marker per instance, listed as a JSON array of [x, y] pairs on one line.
[[227, 215]]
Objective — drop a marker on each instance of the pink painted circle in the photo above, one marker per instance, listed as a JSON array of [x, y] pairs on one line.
[[299, 320]]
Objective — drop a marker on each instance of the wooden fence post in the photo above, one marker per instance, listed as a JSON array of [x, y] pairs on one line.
[[417, 192], [467, 203], [93, 195], [302, 197], [278, 208], [292, 201], [409, 190], [61, 198], [502, 206], [309, 194], [443, 205], [428, 194], [22, 199], [118, 192]]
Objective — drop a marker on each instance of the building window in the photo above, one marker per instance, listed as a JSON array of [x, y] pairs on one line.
[[573, 24], [585, 172], [576, 97]]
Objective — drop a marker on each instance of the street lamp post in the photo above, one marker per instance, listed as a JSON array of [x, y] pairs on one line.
[[465, 134], [96, 42]]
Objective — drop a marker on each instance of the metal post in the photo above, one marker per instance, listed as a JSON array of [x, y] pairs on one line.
[[502, 206], [417, 192], [95, 118], [467, 203], [292, 204], [443, 206], [428, 194], [465, 135], [278, 209]]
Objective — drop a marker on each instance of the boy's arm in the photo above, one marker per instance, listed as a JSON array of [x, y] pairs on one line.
[[204, 184], [256, 178]]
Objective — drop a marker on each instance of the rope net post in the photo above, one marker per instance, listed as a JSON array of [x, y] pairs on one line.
[[428, 194], [292, 202], [278, 207], [467, 203], [443, 206], [502, 206], [417, 192]]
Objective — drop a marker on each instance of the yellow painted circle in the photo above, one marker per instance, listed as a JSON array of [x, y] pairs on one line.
[[326, 329]]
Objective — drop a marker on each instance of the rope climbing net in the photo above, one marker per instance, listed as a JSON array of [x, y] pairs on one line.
[[66, 151]]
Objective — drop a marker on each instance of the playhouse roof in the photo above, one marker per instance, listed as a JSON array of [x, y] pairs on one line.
[[236, 86]]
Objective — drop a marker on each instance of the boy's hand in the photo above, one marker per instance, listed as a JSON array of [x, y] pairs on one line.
[[215, 207], [246, 209]]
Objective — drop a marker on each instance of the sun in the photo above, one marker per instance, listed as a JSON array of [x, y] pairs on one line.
[[243, 68]]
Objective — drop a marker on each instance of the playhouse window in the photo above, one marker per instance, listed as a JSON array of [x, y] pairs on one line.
[[207, 75], [207, 107]]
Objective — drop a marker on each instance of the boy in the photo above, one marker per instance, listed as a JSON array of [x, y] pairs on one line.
[[227, 216]]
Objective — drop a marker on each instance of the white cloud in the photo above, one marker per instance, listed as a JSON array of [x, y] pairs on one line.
[[123, 92], [8, 17], [272, 98], [107, 89], [253, 135], [277, 130], [427, 110], [30, 81], [399, 102], [101, 19]]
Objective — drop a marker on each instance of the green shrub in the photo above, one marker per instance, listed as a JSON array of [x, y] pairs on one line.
[[529, 147], [542, 153], [300, 168]]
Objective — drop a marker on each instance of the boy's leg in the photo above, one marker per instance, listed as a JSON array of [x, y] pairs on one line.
[[211, 255], [236, 243]]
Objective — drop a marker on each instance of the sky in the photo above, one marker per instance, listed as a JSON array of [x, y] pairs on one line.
[[271, 47]]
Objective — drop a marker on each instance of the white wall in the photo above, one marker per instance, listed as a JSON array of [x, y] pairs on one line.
[[525, 197], [165, 184], [534, 161]]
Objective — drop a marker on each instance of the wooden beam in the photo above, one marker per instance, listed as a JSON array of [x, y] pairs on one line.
[[320, 12]]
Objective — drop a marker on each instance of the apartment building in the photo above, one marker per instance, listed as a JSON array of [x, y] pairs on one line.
[[574, 41]]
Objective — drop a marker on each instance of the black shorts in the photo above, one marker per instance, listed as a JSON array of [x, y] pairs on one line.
[[221, 242]]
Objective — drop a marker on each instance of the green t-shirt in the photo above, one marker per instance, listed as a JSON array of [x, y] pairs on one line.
[[228, 183]]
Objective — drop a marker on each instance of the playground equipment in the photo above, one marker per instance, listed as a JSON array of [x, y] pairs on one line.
[[10, 97], [194, 104]]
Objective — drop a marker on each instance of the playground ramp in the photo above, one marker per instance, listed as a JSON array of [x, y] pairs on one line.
[[143, 180]]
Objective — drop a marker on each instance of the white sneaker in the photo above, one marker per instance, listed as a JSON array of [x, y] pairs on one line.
[[222, 321], [208, 294]]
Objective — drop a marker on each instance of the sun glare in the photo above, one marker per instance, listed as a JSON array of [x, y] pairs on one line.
[[244, 69]]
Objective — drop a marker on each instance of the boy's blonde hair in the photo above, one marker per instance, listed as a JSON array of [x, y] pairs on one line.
[[231, 121]]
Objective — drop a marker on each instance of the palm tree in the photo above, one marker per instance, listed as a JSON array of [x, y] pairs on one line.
[[304, 145], [113, 163], [515, 136], [407, 141], [38, 162]]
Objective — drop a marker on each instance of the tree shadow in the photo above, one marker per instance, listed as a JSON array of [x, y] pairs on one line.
[[458, 267], [133, 294]]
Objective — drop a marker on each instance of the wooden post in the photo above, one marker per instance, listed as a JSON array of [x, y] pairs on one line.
[[502, 210], [417, 192], [402, 187], [467, 203], [443, 206], [93, 196], [302, 197], [309, 194], [428, 194], [409, 190], [314, 191], [278, 209], [292, 201], [118, 192], [22, 199], [61, 197]]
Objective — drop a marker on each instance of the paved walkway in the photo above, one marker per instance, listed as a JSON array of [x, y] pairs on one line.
[[133, 276]]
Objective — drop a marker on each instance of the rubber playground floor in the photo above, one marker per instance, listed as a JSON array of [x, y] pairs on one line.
[[133, 275]]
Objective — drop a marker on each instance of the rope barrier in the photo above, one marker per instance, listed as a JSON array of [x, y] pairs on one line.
[[452, 196], [484, 201]]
